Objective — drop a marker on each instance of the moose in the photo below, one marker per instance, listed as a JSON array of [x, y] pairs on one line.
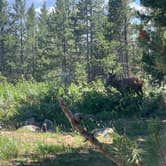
[[130, 85]]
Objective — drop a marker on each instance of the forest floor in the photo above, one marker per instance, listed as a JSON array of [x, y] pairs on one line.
[[58, 149], [61, 148]]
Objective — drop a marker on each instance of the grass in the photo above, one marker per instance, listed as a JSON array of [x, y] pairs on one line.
[[8, 148], [45, 149], [25, 99], [63, 149]]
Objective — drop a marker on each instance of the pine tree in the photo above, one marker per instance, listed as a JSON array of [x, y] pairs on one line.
[[3, 30], [90, 18], [8, 58], [45, 59], [31, 41], [152, 38], [61, 37], [117, 32], [20, 31]]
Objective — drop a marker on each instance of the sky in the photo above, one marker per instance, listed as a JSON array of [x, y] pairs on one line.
[[37, 3], [50, 3]]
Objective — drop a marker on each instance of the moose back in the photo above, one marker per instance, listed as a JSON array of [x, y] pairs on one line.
[[124, 85]]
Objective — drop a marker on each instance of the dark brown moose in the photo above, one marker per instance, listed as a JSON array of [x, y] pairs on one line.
[[124, 85]]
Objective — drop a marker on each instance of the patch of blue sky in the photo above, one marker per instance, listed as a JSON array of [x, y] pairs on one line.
[[49, 3], [138, 2], [37, 3]]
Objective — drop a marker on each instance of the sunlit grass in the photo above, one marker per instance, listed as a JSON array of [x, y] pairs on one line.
[[9, 148], [44, 149]]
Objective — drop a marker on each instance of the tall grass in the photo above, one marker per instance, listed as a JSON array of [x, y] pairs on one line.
[[45, 149], [8, 148]]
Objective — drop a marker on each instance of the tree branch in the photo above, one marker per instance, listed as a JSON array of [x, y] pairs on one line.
[[87, 135]]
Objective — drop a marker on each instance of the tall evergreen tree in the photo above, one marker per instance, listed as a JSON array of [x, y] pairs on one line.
[[19, 14], [43, 65], [153, 39], [117, 32], [3, 32], [8, 58], [31, 41], [62, 38], [90, 17]]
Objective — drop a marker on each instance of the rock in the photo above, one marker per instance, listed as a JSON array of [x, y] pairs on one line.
[[104, 132], [31, 128], [47, 126]]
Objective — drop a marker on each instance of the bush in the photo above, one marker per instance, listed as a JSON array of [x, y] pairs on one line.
[[153, 105], [126, 151], [8, 148], [24, 100]]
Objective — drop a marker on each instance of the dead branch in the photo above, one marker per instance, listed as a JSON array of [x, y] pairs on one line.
[[87, 135], [103, 148]]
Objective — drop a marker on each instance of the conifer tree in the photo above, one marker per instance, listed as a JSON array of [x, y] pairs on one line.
[[152, 37], [61, 38], [19, 14], [117, 32], [3, 36], [8, 57], [90, 17], [41, 62], [31, 41]]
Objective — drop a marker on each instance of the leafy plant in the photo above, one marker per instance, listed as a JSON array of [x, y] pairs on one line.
[[8, 148], [126, 151]]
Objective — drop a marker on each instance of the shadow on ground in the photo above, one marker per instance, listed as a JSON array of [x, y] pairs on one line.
[[90, 158]]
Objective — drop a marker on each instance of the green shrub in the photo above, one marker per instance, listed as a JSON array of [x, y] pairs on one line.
[[24, 100], [126, 151], [151, 156], [8, 148], [153, 105]]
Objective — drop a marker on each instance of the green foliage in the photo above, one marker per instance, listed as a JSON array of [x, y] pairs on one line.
[[8, 148], [154, 45], [3, 79], [154, 144], [68, 48], [151, 156], [14, 96], [46, 149], [126, 150], [153, 104], [24, 100]]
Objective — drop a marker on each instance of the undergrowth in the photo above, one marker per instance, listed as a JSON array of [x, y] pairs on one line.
[[39, 100]]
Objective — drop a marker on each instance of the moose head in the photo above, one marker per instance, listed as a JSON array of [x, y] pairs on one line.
[[131, 85]]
